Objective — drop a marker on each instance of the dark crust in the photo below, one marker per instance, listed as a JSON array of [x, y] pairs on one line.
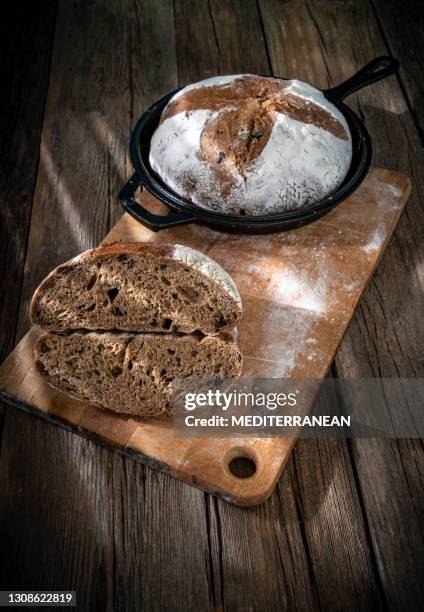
[[258, 93]]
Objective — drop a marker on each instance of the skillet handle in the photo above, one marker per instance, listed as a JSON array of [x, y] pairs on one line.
[[145, 217], [377, 69]]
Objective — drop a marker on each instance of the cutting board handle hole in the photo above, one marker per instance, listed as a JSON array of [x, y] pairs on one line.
[[242, 467]]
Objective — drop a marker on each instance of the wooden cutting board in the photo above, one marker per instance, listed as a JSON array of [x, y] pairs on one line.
[[299, 292]]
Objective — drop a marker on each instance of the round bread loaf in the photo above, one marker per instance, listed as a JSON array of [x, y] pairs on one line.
[[251, 145]]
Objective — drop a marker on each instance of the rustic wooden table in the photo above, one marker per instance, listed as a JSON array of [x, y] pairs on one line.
[[344, 528]]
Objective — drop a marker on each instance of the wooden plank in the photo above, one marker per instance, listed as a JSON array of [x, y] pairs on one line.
[[239, 579], [334, 529], [160, 542], [231, 578], [403, 33], [83, 155], [236, 24], [290, 51], [24, 77], [386, 340], [196, 44], [386, 335], [26, 42], [264, 566], [56, 514]]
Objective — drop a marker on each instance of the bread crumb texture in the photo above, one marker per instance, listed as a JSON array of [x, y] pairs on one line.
[[139, 288], [133, 373], [159, 313]]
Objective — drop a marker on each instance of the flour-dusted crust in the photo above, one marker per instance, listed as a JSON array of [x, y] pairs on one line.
[[208, 267], [138, 287], [133, 373], [251, 145]]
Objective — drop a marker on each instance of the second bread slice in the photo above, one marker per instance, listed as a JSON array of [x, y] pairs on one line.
[[133, 373]]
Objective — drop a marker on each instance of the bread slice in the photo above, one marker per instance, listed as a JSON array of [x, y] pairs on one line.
[[138, 287], [133, 373]]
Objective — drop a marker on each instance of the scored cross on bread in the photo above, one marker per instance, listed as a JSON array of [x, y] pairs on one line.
[[251, 145]]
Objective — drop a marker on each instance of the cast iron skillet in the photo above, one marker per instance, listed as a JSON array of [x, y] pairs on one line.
[[183, 211]]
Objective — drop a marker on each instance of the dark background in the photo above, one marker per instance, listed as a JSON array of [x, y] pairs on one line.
[[345, 526]]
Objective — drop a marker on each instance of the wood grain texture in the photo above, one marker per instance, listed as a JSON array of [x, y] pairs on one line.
[[403, 33], [386, 337], [160, 542], [44, 527], [26, 39], [334, 528], [286, 24], [25, 42], [236, 25], [48, 544]]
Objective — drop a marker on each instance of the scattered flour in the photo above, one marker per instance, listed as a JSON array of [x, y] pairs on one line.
[[296, 288], [311, 340], [349, 287], [376, 241]]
